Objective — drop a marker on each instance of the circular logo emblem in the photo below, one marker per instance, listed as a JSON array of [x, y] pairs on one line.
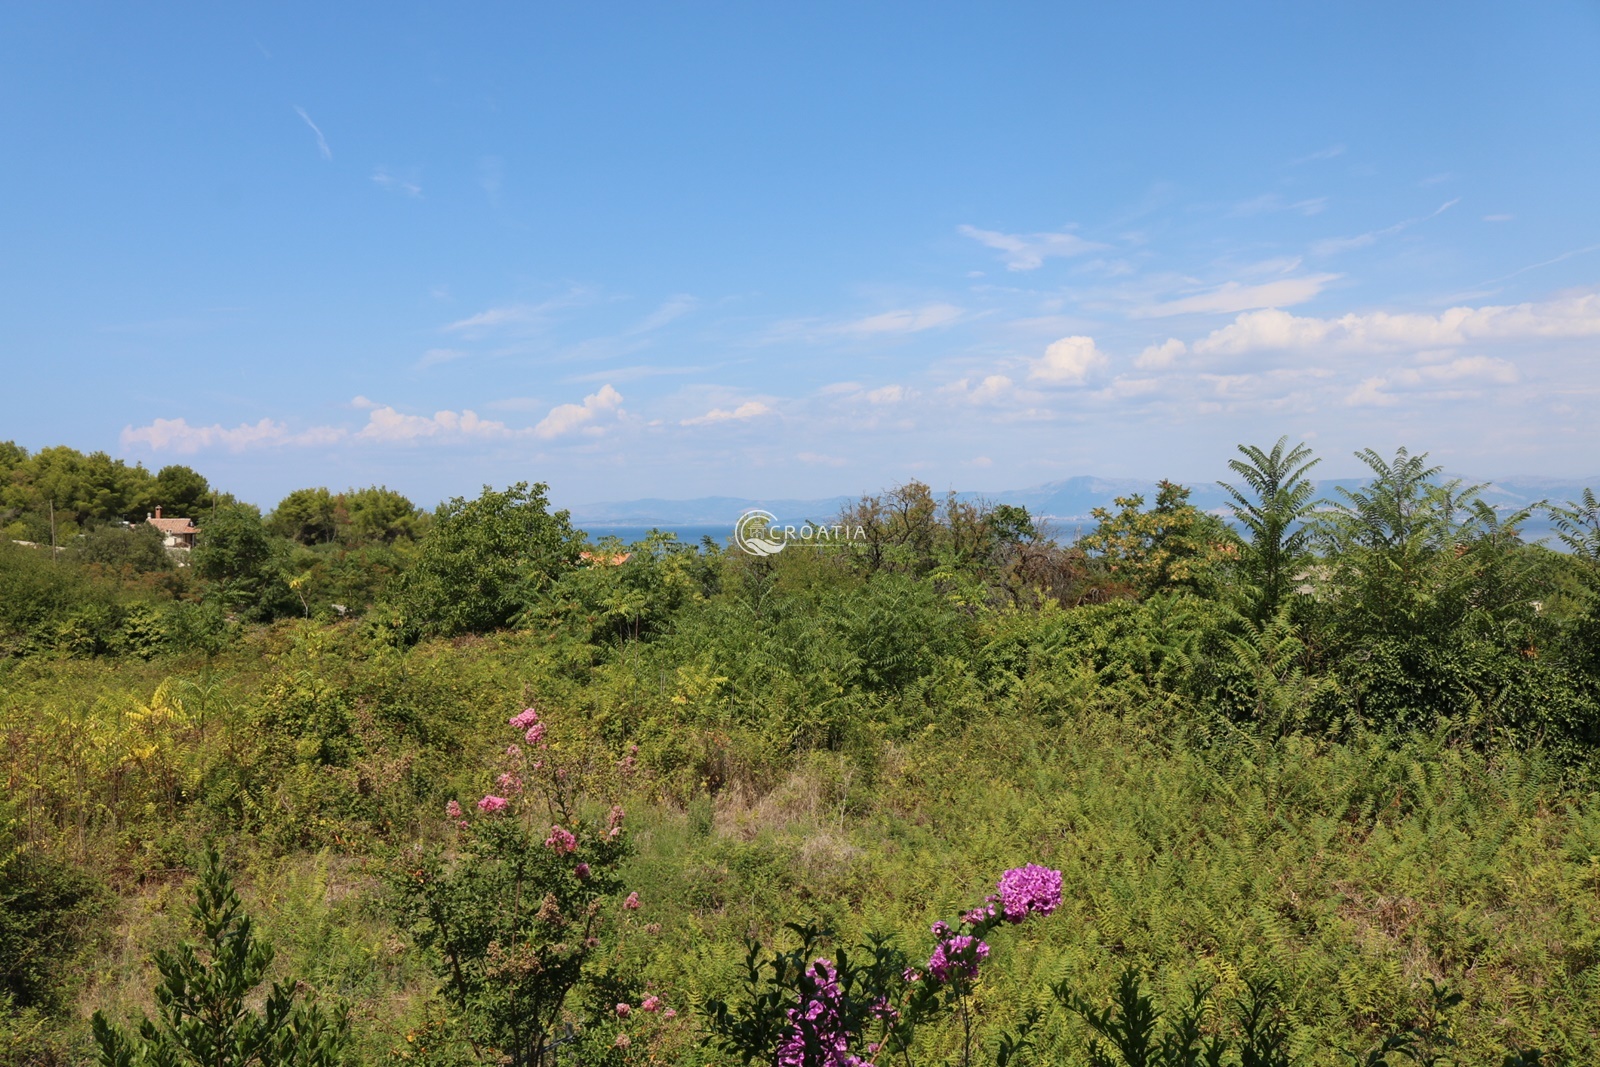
[[752, 533]]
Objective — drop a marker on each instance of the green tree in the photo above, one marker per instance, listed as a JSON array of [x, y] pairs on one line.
[[377, 513], [138, 548], [80, 490], [181, 492], [205, 1017], [234, 552], [486, 560], [305, 515], [1280, 497], [1578, 525], [1173, 546]]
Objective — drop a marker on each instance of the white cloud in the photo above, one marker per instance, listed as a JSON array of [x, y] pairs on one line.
[[564, 418], [381, 176], [1271, 203], [1233, 297], [1481, 368], [887, 394], [904, 320], [1122, 387], [393, 427], [672, 308], [1370, 394], [1567, 317], [435, 356], [176, 435], [505, 315], [1165, 354], [748, 410], [1331, 152], [1067, 362], [322, 142], [510, 314], [821, 460], [1334, 245], [1028, 251], [992, 389]]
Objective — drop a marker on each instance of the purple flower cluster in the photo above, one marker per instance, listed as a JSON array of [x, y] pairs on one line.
[[1029, 890], [819, 1018], [957, 957]]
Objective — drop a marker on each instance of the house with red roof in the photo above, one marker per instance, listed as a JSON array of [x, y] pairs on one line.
[[175, 533]]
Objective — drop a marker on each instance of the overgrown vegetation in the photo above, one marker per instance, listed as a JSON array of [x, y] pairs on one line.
[[1300, 767]]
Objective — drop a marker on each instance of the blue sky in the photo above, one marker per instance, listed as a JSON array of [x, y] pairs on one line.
[[762, 250]]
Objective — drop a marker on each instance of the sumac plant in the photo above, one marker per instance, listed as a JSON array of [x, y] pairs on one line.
[[865, 1006], [515, 904]]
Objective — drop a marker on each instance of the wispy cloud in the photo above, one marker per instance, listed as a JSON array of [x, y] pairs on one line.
[[904, 320], [1028, 251], [1335, 245], [435, 356], [674, 307], [322, 142], [382, 177], [1331, 152], [1233, 296], [518, 317], [1272, 203], [565, 418]]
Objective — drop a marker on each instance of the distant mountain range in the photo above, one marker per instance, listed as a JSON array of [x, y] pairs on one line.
[[1063, 503]]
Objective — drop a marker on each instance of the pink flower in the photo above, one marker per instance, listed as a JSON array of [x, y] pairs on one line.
[[535, 734], [632, 903], [614, 820], [957, 958], [561, 840], [650, 1004], [581, 870], [463, 824], [510, 782], [492, 803], [513, 752], [670, 1013], [524, 719], [623, 1010], [1029, 890], [452, 810], [623, 1041]]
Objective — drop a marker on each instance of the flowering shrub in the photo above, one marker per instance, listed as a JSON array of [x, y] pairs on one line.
[[516, 906], [864, 1008]]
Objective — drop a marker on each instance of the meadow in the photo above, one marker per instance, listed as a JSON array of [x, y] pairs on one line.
[[1325, 759]]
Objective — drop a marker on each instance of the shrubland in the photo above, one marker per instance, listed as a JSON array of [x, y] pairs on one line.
[[1318, 778]]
